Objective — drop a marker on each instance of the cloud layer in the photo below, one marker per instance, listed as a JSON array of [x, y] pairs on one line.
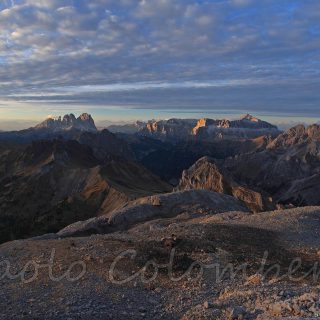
[[232, 53]]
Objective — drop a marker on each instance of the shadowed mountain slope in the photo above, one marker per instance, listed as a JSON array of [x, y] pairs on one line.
[[53, 183], [289, 168]]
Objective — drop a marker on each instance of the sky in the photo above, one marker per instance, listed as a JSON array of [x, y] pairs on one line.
[[124, 60]]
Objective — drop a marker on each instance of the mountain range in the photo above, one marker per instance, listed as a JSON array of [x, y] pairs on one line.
[[64, 170], [189, 195], [204, 129]]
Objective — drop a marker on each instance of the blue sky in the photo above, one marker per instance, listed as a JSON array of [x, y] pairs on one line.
[[139, 59]]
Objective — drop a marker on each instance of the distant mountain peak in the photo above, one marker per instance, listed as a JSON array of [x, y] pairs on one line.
[[249, 117], [69, 121], [85, 117]]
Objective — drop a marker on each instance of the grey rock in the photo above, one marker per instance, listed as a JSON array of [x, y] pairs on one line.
[[193, 203]]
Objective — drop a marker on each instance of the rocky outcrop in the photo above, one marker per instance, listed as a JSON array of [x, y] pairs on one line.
[[207, 174], [192, 203]]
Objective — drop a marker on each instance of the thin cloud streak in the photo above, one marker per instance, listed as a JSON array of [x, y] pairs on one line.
[[118, 87]]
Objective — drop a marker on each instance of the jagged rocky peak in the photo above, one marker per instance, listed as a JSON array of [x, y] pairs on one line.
[[296, 135], [208, 174], [69, 119], [203, 122], [252, 122], [249, 117], [84, 123], [85, 117]]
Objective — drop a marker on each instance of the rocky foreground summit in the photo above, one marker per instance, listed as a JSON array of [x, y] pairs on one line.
[[186, 204], [109, 280]]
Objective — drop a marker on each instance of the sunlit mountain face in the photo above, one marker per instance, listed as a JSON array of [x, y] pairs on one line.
[[125, 60]]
